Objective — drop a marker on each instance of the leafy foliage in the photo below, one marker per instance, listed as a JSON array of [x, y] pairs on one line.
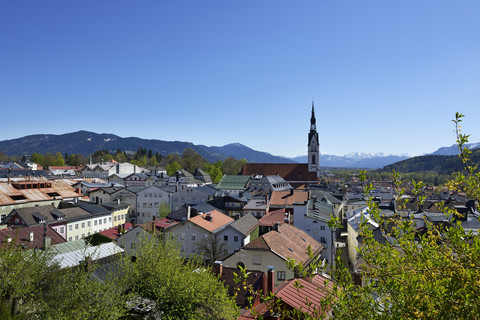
[[184, 290]]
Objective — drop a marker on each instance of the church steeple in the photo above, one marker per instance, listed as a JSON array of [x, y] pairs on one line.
[[312, 119], [313, 145]]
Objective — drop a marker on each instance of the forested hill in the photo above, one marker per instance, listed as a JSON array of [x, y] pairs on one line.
[[86, 143], [432, 163]]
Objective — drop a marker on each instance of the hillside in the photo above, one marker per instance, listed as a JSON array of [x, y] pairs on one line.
[[440, 164], [85, 142]]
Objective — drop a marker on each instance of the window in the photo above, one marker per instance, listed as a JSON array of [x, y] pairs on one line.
[[105, 220], [235, 238], [89, 223], [109, 219], [322, 227], [194, 236], [70, 228], [150, 205], [182, 236], [83, 225], [322, 240], [99, 221], [115, 218], [69, 238], [76, 226], [61, 230], [281, 275], [257, 259], [225, 238], [83, 235], [76, 237], [144, 204], [95, 222]]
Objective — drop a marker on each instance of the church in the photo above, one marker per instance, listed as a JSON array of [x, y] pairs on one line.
[[297, 174]]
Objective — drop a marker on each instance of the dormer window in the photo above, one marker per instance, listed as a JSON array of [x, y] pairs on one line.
[[39, 218], [58, 215]]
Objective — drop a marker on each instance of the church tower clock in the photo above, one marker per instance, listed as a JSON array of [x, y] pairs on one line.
[[313, 146]]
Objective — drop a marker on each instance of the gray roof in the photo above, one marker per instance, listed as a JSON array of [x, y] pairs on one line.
[[70, 246], [245, 224], [74, 258], [321, 195]]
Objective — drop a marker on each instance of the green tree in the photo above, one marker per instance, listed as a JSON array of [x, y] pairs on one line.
[[164, 209], [215, 171], [183, 289], [38, 158], [191, 160], [172, 168], [233, 166]]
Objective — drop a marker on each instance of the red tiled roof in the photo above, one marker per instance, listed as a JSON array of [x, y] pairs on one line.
[[312, 290], [288, 171], [285, 198], [21, 236], [288, 242], [113, 233], [272, 218], [218, 220]]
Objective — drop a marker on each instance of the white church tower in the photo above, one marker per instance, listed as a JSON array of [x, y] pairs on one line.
[[313, 146]]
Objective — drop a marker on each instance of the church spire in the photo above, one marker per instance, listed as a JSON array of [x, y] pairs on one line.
[[313, 121], [313, 145]]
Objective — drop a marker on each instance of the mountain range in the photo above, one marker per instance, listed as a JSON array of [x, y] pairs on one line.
[[85, 142]]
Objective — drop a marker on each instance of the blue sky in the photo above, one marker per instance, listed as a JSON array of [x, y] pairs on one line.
[[386, 76]]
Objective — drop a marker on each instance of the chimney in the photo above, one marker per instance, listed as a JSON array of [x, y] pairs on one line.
[[218, 267], [31, 236], [208, 216], [47, 242], [188, 213], [270, 279], [9, 180], [275, 227]]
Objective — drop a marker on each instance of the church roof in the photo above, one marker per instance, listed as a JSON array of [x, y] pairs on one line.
[[291, 172]]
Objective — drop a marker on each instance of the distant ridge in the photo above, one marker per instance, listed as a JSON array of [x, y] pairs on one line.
[[86, 143]]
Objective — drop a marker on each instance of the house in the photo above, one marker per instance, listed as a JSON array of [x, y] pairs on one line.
[[136, 180], [234, 203], [313, 217], [285, 199], [191, 196], [233, 185], [119, 212], [336, 201], [296, 174], [17, 193], [274, 249], [105, 169], [114, 233], [101, 254], [184, 178], [132, 239], [260, 185], [149, 201], [257, 206], [256, 280], [239, 233], [298, 298], [35, 237], [201, 175], [272, 218], [190, 233]]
